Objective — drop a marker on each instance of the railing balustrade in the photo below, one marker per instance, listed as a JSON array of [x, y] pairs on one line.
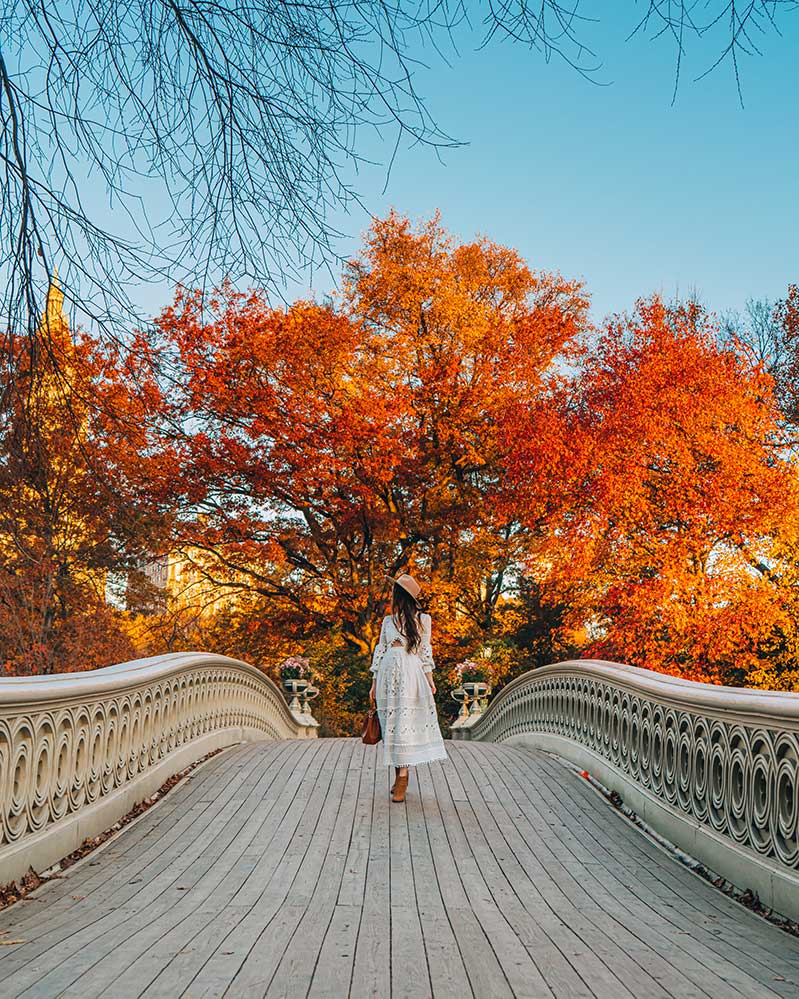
[[78, 750], [713, 769]]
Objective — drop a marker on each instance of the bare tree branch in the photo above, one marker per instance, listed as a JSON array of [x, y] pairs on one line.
[[180, 141]]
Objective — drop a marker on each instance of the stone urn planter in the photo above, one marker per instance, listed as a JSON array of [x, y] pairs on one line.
[[461, 697], [477, 694], [295, 687]]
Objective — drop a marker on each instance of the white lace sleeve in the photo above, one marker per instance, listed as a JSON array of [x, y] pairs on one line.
[[426, 648], [380, 648]]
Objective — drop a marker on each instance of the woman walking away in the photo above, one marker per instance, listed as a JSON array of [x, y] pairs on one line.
[[403, 686]]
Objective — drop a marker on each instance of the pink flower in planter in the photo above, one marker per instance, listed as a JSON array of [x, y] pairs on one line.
[[296, 668], [469, 670]]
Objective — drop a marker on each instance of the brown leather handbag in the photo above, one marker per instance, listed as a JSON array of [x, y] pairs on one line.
[[371, 728]]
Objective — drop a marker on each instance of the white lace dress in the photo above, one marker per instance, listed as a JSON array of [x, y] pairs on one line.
[[405, 705]]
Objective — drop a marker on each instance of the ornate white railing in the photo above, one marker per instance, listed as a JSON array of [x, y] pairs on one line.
[[713, 769], [78, 750]]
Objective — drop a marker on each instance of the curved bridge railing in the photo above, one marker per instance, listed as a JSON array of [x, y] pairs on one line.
[[713, 769], [79, 750]]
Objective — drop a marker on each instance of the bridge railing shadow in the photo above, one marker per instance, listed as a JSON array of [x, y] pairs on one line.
[[713, 769]]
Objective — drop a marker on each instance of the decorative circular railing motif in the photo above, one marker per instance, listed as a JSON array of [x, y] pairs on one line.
[[726, 757], [67, 741]]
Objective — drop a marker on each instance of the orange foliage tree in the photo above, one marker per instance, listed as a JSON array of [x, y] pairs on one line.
[[324, 446], [76, 492], [675, 498], [626, 493], [786, 321]]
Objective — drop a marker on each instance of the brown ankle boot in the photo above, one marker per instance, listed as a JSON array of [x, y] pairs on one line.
[[396, 774], [400, 786]]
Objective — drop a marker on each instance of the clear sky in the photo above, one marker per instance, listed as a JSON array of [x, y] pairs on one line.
[[610, 183]]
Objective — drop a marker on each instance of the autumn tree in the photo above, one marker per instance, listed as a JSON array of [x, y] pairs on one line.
[[463, 332], [767, 334], [73, 497], [785, 317], [324, 446], [675, 497]]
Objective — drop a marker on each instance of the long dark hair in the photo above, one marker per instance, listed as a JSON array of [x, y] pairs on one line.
[[407, 617]]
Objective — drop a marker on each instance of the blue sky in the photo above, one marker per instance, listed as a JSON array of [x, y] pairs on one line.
[[611, 183]]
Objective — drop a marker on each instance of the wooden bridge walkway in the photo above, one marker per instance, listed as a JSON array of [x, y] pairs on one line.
[[283, 869]]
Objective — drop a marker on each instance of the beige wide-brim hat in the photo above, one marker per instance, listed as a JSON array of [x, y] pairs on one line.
[[408, 583]]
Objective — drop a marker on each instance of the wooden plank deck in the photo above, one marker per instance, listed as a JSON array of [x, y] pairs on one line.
[[283, 869]]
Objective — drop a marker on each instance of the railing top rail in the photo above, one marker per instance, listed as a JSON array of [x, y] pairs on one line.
[[747, 701], [110, 679]]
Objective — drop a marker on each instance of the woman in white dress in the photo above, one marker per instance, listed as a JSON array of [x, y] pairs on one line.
[[403, 686]]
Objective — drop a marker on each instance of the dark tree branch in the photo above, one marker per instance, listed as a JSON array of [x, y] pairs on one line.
[[179, 141]]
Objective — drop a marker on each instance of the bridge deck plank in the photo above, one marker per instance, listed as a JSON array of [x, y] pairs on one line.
[[545, 927], [282, 869], [184, 951], [100, 904], [444, 958], [291, 858], [481, 966], [372, 966], [172, 820], [592, 910], [181, 878], [736, 942]]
